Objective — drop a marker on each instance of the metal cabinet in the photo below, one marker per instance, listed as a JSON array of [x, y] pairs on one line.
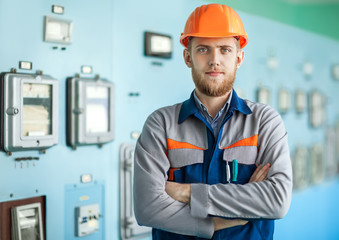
[[129, 228]]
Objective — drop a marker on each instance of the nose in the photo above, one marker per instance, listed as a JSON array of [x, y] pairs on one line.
[[214, 58]]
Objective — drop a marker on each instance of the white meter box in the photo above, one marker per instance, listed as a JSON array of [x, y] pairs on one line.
[[89, 111], [29, 112]]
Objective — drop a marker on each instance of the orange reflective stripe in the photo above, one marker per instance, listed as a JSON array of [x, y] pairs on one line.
[[251, 141], [171, 174], [172, 144]]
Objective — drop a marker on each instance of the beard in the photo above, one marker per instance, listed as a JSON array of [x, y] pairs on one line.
[[212, 88]]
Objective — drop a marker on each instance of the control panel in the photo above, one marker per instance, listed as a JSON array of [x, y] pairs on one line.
[[87, 219]]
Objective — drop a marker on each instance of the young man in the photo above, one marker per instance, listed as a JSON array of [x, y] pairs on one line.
[[215, 166]]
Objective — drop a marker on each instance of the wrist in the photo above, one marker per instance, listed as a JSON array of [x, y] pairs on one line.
[[186, 193]]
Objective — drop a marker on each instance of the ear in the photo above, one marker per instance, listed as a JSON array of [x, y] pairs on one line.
[[240, 58], [187, 58]]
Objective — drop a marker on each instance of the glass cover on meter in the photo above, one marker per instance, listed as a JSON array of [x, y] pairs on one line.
[[37, 109], [90, 118], [97, 109]]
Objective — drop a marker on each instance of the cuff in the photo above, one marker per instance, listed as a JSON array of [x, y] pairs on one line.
[[199, 199], [205, 228]]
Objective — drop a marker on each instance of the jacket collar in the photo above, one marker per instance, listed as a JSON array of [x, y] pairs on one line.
[[189, 107]]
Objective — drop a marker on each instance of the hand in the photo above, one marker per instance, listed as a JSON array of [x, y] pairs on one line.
[[220, 223], [178, 191], [182, 193], [260, 174]]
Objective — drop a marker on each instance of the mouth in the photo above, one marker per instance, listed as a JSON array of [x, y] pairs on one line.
[[214, 73]]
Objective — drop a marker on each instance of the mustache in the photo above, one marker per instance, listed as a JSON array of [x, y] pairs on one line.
[[215, 69]]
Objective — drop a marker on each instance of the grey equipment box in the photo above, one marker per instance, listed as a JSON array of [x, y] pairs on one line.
[[90, 111], [29, 112]]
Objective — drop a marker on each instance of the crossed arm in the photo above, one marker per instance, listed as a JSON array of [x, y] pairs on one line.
[[182, 193], [157, 204]]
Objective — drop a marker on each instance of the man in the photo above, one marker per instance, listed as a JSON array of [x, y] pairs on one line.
[[215, 166]]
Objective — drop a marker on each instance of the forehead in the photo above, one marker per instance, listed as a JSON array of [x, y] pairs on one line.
[[226, 41]]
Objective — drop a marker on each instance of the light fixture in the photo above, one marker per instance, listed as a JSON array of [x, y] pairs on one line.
[[25, 65], [86, 69], [57, 9], [308, 68]]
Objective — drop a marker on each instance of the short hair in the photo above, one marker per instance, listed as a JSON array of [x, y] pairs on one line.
[[237, 43], [189, 44]]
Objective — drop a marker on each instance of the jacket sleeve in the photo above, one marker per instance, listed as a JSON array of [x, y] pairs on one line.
[[153, 207], [269, 199]]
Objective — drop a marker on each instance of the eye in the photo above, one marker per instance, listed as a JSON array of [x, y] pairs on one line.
[[202, 50], [226, 50]]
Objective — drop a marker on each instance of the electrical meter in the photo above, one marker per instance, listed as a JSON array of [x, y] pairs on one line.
[[301, 175], [317, 159], [27, 222], [284, 100], [29, 111], [89, 111], [263, 95], [317, 109]]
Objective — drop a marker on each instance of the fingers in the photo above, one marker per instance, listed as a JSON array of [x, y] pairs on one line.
[[220, 223], [256, 171], [260, 174], [241, 222], [255, 174]]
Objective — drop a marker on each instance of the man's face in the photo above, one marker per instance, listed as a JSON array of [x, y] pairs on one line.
[[214, 62]]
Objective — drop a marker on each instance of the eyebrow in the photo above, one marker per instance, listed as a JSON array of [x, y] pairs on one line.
[[218, 46], [225, 46], [202, 45]]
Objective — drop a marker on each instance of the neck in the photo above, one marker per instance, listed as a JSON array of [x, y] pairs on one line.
[[213, 104]]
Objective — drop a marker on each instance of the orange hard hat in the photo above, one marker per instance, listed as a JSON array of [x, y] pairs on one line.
[[214, 20]]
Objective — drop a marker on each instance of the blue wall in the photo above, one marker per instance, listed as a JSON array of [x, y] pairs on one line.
[[108, 35]]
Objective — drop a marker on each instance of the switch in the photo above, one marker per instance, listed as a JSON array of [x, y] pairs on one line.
[[87, 219]]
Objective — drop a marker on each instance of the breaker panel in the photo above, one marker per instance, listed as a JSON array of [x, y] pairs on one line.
[[87, 219]]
